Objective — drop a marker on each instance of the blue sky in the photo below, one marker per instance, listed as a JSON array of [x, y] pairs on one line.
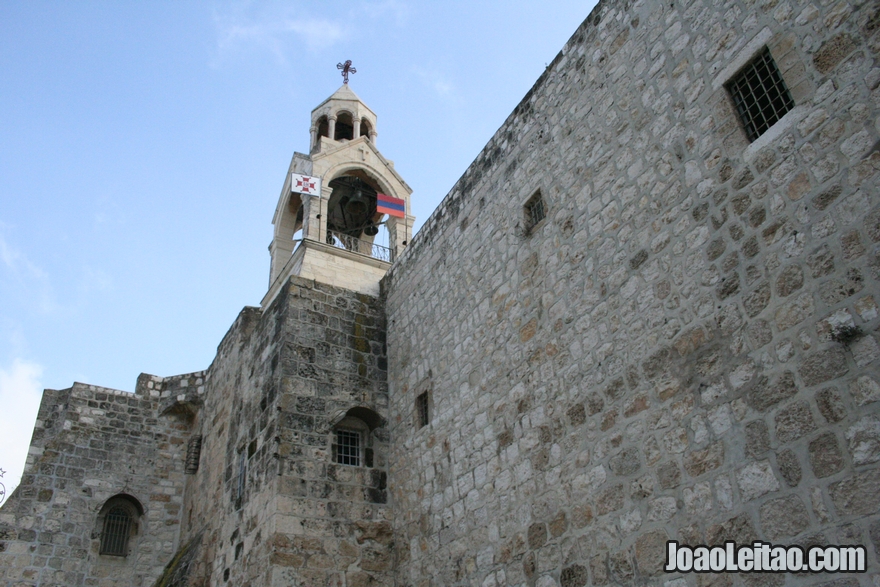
[[143, 146]]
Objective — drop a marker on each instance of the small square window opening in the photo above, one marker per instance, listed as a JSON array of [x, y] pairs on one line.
[[422, 409], [534, 210], [760, 95], [348, 448]]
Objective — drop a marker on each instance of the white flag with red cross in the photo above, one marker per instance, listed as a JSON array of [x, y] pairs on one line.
[[303, 184]]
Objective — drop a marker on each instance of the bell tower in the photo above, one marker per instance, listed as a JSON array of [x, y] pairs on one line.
[[343, 213]]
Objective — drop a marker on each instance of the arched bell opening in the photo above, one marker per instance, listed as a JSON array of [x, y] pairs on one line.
[[297, 213], [323, 127], [352, 220], [344, 127], [366, 128]]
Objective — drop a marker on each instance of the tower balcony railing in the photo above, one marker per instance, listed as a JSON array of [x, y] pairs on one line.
[[356, 245]]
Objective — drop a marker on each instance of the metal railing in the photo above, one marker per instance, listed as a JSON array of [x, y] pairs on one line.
[[356, 245]]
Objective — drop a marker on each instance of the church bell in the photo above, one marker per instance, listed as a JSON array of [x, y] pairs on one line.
[[357, 204]]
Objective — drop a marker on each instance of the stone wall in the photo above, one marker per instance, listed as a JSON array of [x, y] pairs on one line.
[[685, 348], [90, 444], [268, 506]]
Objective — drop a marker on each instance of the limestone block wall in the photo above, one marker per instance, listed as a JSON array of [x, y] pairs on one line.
[[685, 347], [229, 501], [268, 506], [327, 264], [90, 444], [333, 521]]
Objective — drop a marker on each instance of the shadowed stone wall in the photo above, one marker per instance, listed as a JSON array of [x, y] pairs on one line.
[[90, 444], [271, 506], [685, 348], [262, 502]]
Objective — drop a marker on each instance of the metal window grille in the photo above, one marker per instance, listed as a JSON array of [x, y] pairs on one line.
[[117, 529], [534, 210], [193, 452], [760, 95], [422, 409], [348, 447]]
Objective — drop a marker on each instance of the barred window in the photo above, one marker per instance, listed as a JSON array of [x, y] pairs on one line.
[[534, 210], [422, 409], [760, 95], [119, 525], [347, 448]]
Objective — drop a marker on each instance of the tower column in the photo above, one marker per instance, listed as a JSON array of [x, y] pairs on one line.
[[314, 216], [313, 134], [280, 251], [373, 135], [399, 233], [356, 128], [331, 126]]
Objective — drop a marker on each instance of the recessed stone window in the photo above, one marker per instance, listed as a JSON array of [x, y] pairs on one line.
[[422, 410], [534, 211], [119, 524], [760, 94], [347, 447]]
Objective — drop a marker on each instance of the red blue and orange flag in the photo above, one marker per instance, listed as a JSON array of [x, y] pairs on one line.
[[390, 205]]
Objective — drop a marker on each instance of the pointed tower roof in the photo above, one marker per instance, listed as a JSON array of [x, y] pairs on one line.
[[343, 94]]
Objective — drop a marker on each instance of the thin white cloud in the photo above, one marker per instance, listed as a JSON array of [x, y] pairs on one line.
[[317, 34], [438, 83], [276, 28], [95, 280], [27, 276], [399, 11], [17, 263], [20, 393]]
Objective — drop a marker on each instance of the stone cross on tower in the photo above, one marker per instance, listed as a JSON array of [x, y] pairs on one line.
[[346, 69]]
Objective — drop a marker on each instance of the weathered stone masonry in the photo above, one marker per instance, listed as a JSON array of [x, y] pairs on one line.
[[90, 444], [685, 347], [282, 379]]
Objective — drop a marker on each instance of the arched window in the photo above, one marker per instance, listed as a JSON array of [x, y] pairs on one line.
[[344, 127], [120, 522], [323, 127], [365, 128]]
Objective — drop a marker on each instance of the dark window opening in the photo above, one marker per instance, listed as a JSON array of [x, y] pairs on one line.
[[347, 448], [534, 210], [760, 95], [365, 128], [323, 127], [422, 409], [344, 127], [118, 526]]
